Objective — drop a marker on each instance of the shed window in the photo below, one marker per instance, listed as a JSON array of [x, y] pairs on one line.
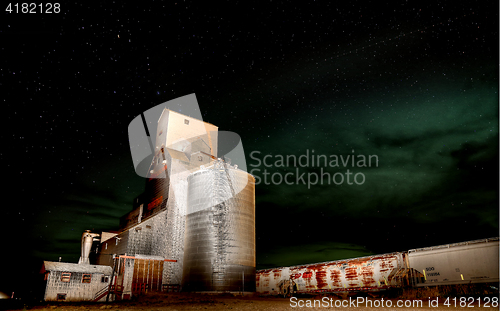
[[65, 276], [86, 278], [105, 279], [61, 296]]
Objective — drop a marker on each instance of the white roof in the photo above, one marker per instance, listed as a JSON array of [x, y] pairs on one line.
[[73, 267]]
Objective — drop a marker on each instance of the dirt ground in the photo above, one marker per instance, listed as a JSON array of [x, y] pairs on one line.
[[184, 301]]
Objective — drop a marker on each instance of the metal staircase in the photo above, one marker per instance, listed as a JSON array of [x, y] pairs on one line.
[[104, 291]]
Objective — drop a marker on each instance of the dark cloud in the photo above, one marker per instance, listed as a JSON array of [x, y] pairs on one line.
[[310, 253]]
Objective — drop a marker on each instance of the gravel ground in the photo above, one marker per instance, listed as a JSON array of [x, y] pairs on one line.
[[181, 301]]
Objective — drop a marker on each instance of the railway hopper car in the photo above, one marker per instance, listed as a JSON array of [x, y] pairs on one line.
[[371, 273], [459, 263]]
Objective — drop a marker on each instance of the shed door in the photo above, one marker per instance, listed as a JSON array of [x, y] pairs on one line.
[[147, 275]]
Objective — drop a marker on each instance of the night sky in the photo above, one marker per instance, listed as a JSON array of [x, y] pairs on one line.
[[415, 84]]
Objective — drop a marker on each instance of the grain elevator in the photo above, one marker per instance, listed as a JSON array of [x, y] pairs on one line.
[[193, 227]]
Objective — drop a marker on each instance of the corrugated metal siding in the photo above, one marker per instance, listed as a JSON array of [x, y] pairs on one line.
[[141, 238], [175, 223], [183, 137], [159, 230], [220, 232], [115, 245]]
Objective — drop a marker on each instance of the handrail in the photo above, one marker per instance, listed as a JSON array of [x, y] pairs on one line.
[[102, 291], [115, 289]]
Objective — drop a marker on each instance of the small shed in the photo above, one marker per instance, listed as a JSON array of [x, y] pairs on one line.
[[75, 282]]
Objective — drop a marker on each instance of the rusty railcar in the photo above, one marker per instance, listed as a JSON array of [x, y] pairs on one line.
[[371, 273]]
